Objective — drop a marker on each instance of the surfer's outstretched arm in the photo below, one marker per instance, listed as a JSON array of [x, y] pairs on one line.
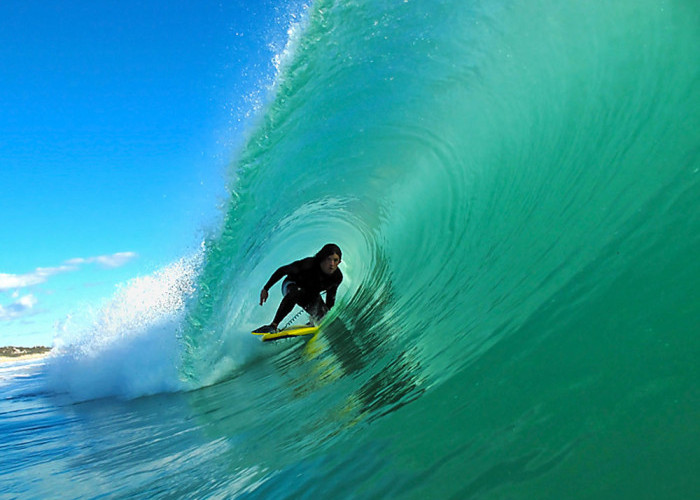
[[276, 276]]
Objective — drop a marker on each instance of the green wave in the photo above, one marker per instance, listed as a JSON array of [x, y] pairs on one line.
[[515, 188]]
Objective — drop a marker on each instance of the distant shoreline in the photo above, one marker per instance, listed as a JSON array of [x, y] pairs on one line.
[[13, 353]]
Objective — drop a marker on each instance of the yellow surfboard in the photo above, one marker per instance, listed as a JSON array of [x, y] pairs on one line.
[[292, 331]]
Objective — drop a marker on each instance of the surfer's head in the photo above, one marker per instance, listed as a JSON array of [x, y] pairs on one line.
[[329, 257]]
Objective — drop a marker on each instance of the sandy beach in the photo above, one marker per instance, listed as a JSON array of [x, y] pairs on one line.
[[26, 357], [11, 354]]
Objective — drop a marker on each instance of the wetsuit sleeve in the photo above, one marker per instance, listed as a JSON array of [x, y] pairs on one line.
[[332, 290], [330, 296], [277, 275]]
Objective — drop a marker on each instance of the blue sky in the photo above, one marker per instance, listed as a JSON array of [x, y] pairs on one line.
[[118, 120]]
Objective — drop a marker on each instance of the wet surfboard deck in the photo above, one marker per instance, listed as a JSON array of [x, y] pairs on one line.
[[292, 331]]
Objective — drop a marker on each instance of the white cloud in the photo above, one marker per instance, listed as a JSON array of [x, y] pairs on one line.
[[115, 260], [76, 262], [42, 274], [36, 277], [21, 307]]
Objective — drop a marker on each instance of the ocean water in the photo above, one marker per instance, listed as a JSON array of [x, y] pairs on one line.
[[515, 188]]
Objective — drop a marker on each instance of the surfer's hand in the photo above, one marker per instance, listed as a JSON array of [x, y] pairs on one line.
[[263, 296]]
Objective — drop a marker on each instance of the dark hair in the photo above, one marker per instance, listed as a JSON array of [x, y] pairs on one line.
[[329, 249]]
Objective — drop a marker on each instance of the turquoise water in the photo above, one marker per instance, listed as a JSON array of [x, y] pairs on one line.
[[515, 188]]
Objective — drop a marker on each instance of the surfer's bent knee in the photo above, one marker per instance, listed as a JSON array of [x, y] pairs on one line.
[[290, 287]]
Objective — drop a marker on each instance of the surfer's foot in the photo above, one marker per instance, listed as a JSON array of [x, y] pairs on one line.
[[266, 329]]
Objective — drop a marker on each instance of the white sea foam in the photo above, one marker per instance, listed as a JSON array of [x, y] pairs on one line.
[[129, 347]]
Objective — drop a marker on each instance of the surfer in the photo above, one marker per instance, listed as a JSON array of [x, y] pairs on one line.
[[304, 282]]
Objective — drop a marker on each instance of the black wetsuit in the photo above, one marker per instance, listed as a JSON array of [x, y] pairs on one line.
[[304, 283]]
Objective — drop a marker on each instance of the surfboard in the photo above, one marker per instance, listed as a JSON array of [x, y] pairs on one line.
[[292, 331]]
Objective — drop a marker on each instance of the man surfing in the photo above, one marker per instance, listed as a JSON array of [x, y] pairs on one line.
[[304, 282]]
